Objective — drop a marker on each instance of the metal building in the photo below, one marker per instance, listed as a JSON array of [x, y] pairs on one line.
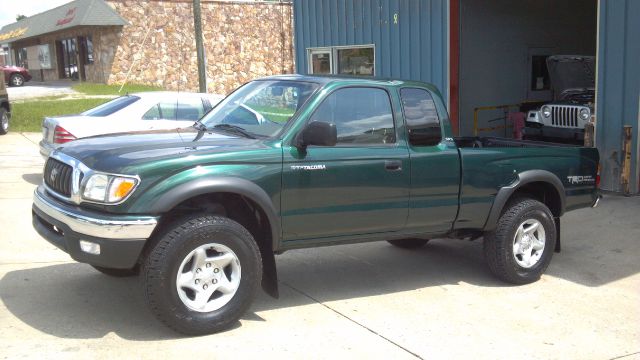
[[481, 53]]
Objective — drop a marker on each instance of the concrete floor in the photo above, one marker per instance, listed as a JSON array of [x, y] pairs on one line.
[[356, 301], [34, 89]]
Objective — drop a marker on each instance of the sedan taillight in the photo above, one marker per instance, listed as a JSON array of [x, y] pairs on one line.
[[61, 136]]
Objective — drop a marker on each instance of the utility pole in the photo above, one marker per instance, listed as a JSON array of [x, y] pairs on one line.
[[197, 24]]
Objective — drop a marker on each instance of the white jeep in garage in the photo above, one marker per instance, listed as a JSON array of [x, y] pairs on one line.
[[563, 119]]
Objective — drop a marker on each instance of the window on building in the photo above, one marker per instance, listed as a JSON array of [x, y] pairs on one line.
[[356, 60], [320, 62], [89, 47], [539, 73], [21, 57], [421, 115], [361, 115]]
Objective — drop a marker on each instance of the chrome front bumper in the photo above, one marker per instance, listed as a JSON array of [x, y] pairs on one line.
[[97, 225]]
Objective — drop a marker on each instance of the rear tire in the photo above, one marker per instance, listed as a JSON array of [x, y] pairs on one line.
[[409, 243], [519, 250], [16, 80], [202, 275]]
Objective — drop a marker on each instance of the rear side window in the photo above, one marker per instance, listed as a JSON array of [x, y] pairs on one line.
[[190, 109], [421, 115], [112, 106], [165, 110], [361, 115]]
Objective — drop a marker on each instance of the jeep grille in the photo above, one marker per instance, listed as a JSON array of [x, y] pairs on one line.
[[565, 116]]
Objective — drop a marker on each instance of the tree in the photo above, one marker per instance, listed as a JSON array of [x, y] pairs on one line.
[[20, 17]]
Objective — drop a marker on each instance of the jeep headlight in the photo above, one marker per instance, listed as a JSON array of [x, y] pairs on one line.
[[108, 189], [546, 111], [585, 114]]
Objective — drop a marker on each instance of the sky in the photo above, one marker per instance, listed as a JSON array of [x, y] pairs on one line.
[[11, 8]]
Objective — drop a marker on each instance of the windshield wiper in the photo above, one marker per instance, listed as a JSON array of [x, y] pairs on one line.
[[234, 129], [199, 126]]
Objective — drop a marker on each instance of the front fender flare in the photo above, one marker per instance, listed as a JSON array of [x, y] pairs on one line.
[[525, 177], [243, 187], [202, 186]]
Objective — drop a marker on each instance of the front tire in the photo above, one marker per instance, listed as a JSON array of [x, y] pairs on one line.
[[519, 250], [16, 80], [202, 275]]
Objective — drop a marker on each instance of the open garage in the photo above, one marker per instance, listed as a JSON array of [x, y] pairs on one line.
[[487, 54]]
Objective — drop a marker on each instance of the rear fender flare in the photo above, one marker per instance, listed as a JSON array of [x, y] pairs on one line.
[[526, 177]]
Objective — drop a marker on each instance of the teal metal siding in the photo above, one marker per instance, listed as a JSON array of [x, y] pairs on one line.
[[618, 87], [411, 45]]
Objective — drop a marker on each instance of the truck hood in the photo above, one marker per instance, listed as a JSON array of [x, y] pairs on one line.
[[571, 74], [117, 152]]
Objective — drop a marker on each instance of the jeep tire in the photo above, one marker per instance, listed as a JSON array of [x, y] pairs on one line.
[[520, 248], [202, 274]]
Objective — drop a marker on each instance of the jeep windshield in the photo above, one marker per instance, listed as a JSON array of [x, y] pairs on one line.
[[261, 108]]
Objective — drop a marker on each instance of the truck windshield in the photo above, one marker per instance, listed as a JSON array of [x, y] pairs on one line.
[[261, 107]]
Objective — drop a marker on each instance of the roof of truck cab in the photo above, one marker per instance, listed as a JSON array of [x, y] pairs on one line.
[[327, 79]]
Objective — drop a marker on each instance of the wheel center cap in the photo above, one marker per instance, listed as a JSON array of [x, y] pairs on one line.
[[526, 242]]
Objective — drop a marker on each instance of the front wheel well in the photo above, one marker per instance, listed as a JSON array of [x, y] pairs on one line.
[[236, 207]]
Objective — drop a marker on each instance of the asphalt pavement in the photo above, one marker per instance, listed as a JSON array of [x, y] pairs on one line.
[[355, 301]]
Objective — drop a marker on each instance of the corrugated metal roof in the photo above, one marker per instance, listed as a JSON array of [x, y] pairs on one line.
[[75, 13]]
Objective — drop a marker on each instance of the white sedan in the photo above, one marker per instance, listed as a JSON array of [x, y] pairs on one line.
[[132, 112]]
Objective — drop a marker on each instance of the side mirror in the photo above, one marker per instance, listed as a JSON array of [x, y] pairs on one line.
[[317, 133]]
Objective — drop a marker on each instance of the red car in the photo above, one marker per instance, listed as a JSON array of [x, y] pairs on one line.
[[15, 76]]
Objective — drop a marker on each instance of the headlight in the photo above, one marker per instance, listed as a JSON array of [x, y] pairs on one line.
[[108, 188], [546, 111], [585, 114]]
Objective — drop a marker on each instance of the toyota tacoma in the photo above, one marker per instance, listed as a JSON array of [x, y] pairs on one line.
[[291, 162]]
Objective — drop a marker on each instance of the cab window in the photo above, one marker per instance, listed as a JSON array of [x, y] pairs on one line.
[[362, 115], [421, 116]]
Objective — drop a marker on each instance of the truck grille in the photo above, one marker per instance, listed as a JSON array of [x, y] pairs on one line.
[[58, 177], [565, 116]]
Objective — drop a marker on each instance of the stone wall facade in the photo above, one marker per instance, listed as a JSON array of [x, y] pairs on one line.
[[242, 41]]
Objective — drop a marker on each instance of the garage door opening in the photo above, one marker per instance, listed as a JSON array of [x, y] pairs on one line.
[[515, 57]]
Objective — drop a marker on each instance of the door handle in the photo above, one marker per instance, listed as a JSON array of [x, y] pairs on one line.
[[393, 165]]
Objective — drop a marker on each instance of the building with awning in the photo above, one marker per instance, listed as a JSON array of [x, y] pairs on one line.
[[60, 43], [152, 42]]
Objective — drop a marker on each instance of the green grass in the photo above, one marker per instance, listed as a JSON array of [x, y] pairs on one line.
[[102, 89], [28, 115], [279, 115]]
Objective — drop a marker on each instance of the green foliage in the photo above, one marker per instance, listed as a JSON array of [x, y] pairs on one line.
[[103, 89], [28, 115]]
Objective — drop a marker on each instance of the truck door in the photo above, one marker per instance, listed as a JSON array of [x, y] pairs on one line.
[[435, 165], [359, 186]]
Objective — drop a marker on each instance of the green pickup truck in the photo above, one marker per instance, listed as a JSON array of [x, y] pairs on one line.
[[291, 162]]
